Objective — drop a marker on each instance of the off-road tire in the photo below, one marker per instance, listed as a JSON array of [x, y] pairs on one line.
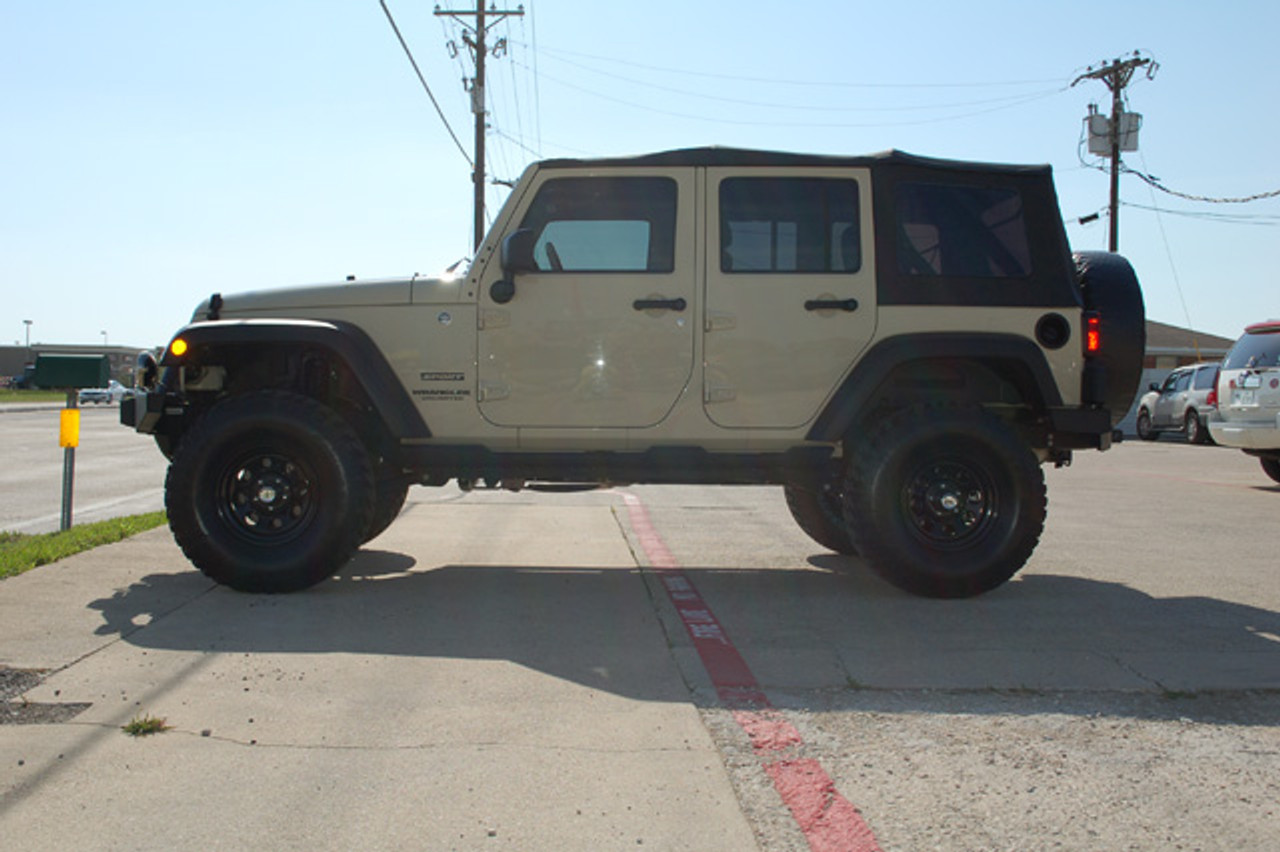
[[821, 515], [1271, 467], [270, 491], [944, 501], [389, 494]]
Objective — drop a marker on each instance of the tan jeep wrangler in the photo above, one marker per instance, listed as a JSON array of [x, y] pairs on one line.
[[899, 342]]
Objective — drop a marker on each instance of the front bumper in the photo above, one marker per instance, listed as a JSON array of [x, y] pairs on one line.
[[144, 411]]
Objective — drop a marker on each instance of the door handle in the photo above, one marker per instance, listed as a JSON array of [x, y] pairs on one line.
[[849, 305], [659, 304]]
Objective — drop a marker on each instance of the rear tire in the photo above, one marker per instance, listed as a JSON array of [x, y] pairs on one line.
[[821, 515], [1272, 468], [269, 492], [944, 501], [1194, 427]]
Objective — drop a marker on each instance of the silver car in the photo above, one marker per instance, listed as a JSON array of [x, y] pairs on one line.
[[1249, 394], [1183, 402]]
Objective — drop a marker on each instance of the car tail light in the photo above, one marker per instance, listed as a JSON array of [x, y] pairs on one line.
[[1092, 333], [1211, 399]]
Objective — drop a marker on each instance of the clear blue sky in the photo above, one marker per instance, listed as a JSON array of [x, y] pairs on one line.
[[154, 152]]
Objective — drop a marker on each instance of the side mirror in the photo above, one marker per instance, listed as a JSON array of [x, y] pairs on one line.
[[517, 253]]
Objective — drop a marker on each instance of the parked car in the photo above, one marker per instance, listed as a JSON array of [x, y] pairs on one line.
[[1249, 396], [1183, 402], [112, 393]]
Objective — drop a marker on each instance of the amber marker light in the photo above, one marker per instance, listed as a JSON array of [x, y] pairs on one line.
[[178, 347]]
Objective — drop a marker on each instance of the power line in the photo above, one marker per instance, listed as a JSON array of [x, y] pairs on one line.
[[391, 20], [1020, 101], [1156, 184], [1004, 99], [802, 83]]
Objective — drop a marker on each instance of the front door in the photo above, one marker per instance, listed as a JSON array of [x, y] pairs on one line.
[[601, 334], [790, 291]]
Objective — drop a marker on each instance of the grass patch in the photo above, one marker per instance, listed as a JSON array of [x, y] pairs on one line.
[[11, 395], [145, 726], [20, 552]]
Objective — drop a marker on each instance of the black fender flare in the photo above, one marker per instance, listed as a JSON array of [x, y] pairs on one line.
[[1016, 357], [345, 341]]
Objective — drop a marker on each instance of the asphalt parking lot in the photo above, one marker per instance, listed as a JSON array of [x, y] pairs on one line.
[[528, 671]]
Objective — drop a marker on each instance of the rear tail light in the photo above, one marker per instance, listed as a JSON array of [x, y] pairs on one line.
[[1092, 333], [1212, 399]]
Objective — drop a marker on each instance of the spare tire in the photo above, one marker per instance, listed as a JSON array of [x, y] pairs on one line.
[[1110, 289]]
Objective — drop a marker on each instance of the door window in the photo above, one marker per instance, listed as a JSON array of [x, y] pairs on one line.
[[615, 224], [789, 225]]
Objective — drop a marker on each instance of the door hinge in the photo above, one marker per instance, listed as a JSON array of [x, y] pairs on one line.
[[719, 322], [490, 392], [720, 395]]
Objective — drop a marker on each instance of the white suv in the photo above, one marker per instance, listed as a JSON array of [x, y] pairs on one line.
[[1249, 396]]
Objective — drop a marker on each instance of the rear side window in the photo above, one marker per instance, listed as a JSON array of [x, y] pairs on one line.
[[622, 224], [1205, 378], [1255, 350], [961, 231], [789, 225]]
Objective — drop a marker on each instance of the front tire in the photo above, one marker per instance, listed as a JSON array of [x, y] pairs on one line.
[[944, 501], [269, 492], [1145, 432], [1271, 467]]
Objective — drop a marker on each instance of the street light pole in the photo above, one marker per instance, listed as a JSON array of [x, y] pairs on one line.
[[104, 337], [27, 323]]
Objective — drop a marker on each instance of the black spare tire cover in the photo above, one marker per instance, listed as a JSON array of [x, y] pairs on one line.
[[1110, 289]]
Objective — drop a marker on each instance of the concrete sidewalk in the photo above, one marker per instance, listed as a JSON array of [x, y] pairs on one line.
[[480, 677]]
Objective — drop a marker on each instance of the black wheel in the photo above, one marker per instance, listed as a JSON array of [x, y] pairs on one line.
[[944, 501], [389, 493], [1145, 432], [821, 515], [269, 492], [1196, 433], [1272, 468]]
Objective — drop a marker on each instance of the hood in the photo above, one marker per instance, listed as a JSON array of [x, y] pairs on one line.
[[347, 294]]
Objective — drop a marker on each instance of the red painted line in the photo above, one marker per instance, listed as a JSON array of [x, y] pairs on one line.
[[829, 821]]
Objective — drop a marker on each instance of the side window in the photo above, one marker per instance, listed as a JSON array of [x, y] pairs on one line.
[[1204, 378], [611, 224], [1169, 382], [1184, 382], [789, 225], [962, 231]]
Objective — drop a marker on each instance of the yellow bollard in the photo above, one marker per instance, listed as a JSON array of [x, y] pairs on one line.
[[69, 431]]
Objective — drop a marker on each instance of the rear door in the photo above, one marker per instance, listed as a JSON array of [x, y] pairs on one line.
[[790, 291], [1172, 400]]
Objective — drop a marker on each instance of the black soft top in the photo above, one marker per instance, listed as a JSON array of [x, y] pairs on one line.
[[718, 156]]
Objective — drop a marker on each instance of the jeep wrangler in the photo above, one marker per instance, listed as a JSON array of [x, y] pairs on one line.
[[899, 342]]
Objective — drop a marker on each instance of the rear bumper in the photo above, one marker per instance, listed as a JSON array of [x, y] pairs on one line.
[[1080, 428], [1257, 435]]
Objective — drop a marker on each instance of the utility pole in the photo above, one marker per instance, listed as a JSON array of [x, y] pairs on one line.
[[1116, 75], [474, 35]]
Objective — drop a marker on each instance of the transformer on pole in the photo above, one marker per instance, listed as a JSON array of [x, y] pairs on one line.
[[1108, 136]]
